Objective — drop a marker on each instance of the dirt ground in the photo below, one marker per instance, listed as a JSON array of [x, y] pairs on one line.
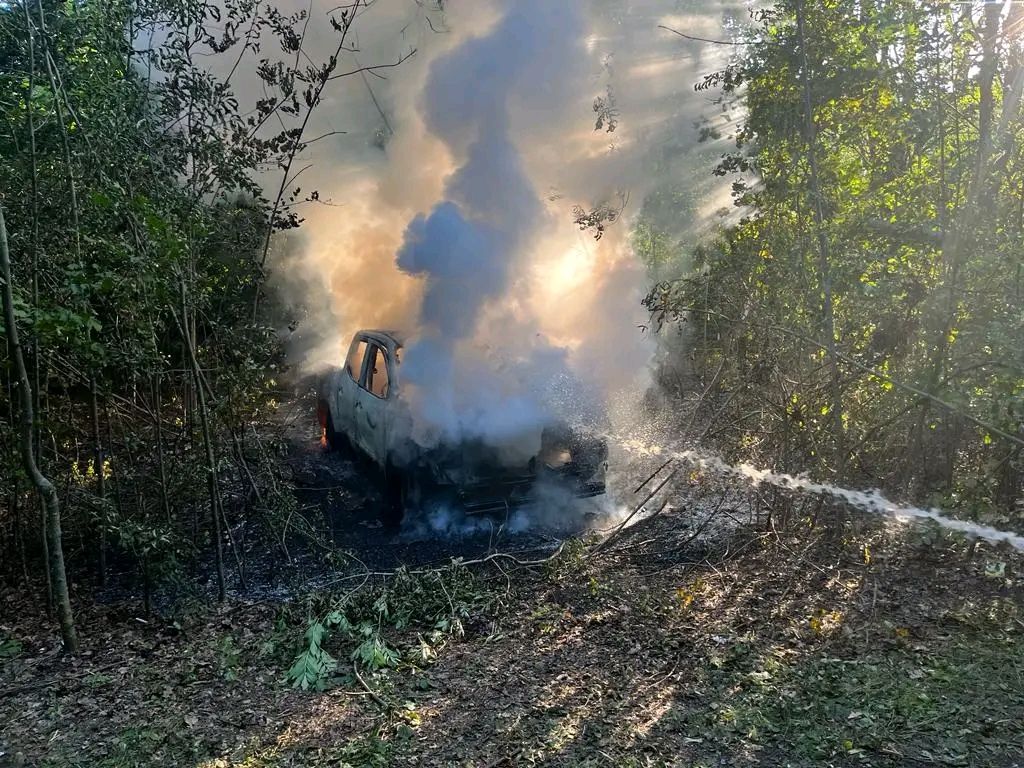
[[845, 643]]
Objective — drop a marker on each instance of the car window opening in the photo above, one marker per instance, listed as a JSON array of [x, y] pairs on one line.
[[377, 379], [354, 363]]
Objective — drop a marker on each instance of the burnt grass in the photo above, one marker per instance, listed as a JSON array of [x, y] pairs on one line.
[[335, 527], [832, 641], [344, 495]]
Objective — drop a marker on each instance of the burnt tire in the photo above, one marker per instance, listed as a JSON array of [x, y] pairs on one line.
[[397, 486], [404, 492]]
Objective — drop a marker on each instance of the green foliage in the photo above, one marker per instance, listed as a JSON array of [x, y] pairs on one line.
[[313, 665], [373, 652], [371, 751], [402, 622], [571, 561], [10, 647], [136, 221], [653, 246], [229, 656], [148, 541], [918, 246]]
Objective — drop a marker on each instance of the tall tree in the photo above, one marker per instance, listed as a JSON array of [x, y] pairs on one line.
[[45, 488]]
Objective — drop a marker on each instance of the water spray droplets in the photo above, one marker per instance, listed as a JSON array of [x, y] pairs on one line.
[[872, 500]]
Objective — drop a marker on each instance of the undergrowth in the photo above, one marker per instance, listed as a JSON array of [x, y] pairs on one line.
[[951, 700], [403, 622]]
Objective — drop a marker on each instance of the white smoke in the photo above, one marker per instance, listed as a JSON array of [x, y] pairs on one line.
[[452, 196], [469, 248]]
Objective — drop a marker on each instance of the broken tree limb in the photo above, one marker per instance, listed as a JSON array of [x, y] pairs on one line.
[[493, 557], [383, 703], [653, 475]]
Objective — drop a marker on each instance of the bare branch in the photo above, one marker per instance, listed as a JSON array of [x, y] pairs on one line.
[[401, 60], [704, 39]]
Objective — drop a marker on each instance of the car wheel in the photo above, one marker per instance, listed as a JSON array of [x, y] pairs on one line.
[[397, 483], [404, 493]]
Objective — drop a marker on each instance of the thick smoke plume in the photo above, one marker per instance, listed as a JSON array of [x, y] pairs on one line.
[[469, 248], [451, 198]]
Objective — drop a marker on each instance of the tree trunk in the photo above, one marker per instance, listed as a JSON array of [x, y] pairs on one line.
[[211, 461], [824, 266], [101, 480], [33, 252], [161, 466], [987, 75], [46, 490]]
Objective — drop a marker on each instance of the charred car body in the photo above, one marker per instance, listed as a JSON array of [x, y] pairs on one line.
[[361, 407]]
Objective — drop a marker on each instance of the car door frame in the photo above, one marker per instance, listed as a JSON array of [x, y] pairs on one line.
[[348, 387], [370, 413]]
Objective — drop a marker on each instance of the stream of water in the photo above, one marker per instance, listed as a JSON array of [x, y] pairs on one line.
[[869, 500]]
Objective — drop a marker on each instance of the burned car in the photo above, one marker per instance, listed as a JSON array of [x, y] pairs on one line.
[[361, 408]]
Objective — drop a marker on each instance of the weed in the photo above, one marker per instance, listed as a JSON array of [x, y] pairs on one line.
[[371, 751], [229, 656], [571, 560], [9, 647], [546, 616], [598, 588], [96, 680]]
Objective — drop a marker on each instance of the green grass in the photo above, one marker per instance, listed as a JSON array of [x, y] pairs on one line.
[[957, 700]]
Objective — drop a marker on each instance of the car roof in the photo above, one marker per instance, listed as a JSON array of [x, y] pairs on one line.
[[384, 336]]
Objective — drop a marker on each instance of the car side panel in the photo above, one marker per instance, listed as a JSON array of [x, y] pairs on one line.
[[344, 397], [379, 427]]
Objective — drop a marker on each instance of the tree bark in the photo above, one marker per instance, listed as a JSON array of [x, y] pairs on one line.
[[211, 460], [824, 266], [46, 489], [101, 480], [34, 241], [161, 465]]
